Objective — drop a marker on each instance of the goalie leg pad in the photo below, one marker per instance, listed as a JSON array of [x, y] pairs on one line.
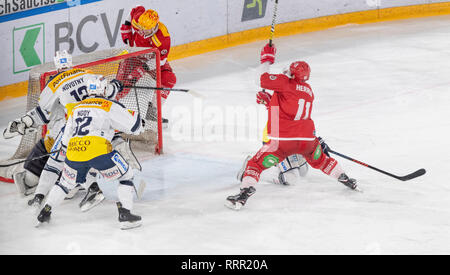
[[36, 166], [25, 182]]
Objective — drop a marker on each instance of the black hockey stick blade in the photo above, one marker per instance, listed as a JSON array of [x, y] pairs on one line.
[[414, 175], [411, 176]]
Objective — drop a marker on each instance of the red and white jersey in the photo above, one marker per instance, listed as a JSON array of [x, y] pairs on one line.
[[160, 40], [290, 108]]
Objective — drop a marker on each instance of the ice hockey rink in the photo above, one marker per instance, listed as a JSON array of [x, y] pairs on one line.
[[382, 96]]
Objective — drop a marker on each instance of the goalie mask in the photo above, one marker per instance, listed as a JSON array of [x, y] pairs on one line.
[[96, 86], [146, 24], [63, 60]]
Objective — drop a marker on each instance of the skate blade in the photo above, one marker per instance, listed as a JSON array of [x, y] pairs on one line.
[[130, 225], [277, 182], [357, 189], [88, 206], [39, 224], [35, 209], [234, 206]]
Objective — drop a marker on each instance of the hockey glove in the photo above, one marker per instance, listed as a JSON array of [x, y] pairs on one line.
[[268, 54], [263, 98], [127, 34], [324, 146]]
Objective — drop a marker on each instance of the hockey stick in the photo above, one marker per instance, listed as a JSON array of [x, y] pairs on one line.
[[25, 160], [274, 20], [272, 27], [192, 92], [139, 113], [411, 176]]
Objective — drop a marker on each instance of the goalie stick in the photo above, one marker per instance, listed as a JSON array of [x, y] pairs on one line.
[[411, 176], [25, 160]]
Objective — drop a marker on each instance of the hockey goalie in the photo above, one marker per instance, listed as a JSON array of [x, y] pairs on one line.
[[43, 168]]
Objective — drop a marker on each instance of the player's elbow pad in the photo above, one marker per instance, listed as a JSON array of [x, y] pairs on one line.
[[114, 87]]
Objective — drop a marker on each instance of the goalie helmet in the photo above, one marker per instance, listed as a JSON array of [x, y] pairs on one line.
[[63, 60], [146, 24], [299, 70], [96, 86]]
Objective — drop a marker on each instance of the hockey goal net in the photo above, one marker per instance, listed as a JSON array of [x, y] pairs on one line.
[[122, 64]]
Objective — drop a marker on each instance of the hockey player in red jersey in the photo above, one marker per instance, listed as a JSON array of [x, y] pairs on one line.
[[142, 28], [290, 127]]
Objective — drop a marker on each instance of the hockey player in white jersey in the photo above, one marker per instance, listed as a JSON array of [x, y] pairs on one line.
[[90, 129], [67, 87]]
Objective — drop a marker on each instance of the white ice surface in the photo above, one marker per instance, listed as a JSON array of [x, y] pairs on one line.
[[382, 96]]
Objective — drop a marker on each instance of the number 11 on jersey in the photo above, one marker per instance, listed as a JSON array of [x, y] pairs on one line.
[[303, 107]]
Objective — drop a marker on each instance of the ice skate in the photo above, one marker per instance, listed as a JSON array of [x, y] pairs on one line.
[[126, 219], [236, 202], [349, 182], [44, 216], [36, 201], [94, 197]]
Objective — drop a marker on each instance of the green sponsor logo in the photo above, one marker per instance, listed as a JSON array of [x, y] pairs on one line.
[[254, 9], [318, 152], [270, 161], [28, 47]]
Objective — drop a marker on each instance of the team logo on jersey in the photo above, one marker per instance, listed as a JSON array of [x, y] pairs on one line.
[[69, 175], [317, 152], [273, 77], [164, 52], [111, 174], [270, 161], [63, 77], [120, 162]]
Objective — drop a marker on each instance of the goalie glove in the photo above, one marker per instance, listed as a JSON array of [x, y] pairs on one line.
[[18, 127]]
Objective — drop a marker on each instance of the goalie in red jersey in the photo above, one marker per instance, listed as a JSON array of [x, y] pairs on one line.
[[290, 127], [142, 28]]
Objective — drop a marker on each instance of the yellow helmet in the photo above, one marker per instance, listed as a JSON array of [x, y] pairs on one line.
[[147, 21]]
